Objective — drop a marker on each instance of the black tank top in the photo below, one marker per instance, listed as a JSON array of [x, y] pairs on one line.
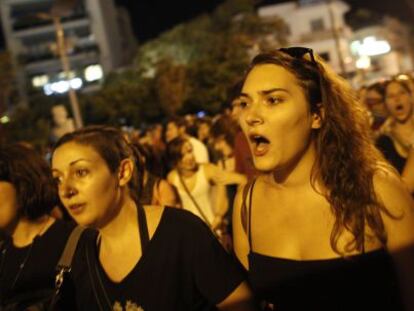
[[366, 281]]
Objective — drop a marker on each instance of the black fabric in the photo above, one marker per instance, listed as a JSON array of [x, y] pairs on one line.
[[148, 189], [143, 228], [183, 268], [39, 271], [385, 144], [362, 282]]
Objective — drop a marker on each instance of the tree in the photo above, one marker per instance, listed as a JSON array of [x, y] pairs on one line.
[[194, 64]]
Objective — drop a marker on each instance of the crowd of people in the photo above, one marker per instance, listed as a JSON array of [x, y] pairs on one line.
[[297, 197]]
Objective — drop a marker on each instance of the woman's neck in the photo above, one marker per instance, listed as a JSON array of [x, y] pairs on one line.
[[26, 230], [404, 126], [297, 172], [126, 219], [188, 172]]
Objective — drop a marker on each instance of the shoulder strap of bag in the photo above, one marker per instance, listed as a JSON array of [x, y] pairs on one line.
[[194, 201], [65, 262]]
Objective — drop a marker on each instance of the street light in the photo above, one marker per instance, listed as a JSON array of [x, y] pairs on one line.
[[62, 8]]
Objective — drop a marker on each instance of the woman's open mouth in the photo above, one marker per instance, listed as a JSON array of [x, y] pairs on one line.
[[259, 144]]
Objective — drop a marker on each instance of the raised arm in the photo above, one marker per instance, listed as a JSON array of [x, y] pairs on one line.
[[221, 177]]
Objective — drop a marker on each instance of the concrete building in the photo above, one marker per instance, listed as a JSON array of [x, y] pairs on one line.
[[319, 25], [94, 44], [382, 49]]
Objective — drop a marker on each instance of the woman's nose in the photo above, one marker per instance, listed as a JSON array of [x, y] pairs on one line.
[[253, 116], [69, 191]]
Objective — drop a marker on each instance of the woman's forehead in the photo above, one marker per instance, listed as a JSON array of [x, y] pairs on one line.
[[268, 76]]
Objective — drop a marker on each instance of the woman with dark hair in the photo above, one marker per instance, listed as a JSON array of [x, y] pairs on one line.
[[33, 240], [398, 136], [328, 225], [145, 257]]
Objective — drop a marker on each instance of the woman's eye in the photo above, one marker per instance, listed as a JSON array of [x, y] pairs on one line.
[[273, 100], [243, 104], [81, 172]]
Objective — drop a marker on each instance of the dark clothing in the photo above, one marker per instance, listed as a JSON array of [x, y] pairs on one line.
[[385, 144], [362, 282], [38, 260], [182, 268], [148, 189]]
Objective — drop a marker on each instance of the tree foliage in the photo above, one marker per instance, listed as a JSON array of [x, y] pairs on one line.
[[186, 69]]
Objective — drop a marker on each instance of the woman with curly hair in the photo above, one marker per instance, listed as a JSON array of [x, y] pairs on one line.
[[328, 225]]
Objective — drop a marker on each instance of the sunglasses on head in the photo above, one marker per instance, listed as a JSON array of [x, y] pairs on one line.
[[298, 52]]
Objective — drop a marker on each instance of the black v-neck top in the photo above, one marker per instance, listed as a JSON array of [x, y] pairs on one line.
[[183, 267]]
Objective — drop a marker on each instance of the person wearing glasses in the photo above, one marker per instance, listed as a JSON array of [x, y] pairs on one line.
[[328, 225], [145, 257]]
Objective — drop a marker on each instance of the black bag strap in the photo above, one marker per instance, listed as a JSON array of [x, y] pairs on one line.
[[65, 262], [66, 258], [194, 201]]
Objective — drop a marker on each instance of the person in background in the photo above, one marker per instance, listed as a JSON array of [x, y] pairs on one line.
[[31, 241], [194, 183], [145, 257], [328, 225], [374, 101], [397, 138], [176, 127]]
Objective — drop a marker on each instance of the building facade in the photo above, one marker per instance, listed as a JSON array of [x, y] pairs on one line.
[[319, 25], [93, 44]]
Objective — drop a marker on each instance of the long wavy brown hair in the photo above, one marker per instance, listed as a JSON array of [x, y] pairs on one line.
[[346, 156]]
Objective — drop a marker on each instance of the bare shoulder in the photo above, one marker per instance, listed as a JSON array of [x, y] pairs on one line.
[[171, 175], [392, 192], [154, 214], [398, 216]]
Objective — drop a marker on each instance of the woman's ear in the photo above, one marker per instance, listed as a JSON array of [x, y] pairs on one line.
[[318, 117], [125, 172]]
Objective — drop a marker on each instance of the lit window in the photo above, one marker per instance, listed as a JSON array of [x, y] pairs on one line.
[[317, 24]]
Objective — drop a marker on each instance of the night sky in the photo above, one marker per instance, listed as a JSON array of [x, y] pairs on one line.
[[151, 17]]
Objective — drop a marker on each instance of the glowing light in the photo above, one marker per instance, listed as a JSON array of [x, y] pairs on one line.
[[76, 83], [363, 62], [39, 81], [370, 46], [4, 119], [47, 89], [93, 73], [62, 86]]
